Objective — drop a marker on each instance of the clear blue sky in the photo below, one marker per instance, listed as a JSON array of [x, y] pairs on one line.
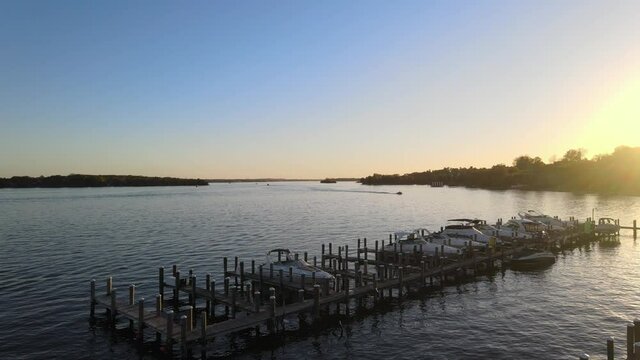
[[307, 89]]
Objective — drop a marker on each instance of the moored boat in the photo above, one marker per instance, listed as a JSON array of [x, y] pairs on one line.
[[286, 260], [533, 258], [408, 240], [552, 223], [607, 226]]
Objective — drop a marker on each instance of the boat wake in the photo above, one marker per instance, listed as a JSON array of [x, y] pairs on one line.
[[360, 191]]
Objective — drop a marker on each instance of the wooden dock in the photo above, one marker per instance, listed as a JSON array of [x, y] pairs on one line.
[[257, 299]]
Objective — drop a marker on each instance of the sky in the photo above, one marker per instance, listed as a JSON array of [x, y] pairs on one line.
[[311, 89]]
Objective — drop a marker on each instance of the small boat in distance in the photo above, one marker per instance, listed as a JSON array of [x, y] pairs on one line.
[[283, 259], [399, 193], [328, 181]]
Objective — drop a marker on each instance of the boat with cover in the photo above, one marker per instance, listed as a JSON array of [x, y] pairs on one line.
[[283, 259], [523, 229], [607, 226], [466, 230], [497, 230], [442, 239], [407, 240], [533, 257], [552, 223]]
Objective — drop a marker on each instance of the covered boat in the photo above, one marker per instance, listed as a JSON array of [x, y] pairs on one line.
[[607, 226], [283, 259]]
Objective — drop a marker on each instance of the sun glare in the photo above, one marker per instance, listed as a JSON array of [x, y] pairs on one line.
[[616, 121]]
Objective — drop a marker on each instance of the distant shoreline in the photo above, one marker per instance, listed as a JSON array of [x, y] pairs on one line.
[[274, 180], [78, 181], [83, 181]]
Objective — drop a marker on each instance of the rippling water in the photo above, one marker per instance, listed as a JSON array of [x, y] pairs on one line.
[[53, 241]]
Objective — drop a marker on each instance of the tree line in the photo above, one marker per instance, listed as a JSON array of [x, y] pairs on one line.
[[76, 180], [615, 173]]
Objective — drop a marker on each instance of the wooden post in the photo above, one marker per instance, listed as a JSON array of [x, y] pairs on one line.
[[213, 300], [316, 301], [376, 247], [241, 277], [330, 252], [109, 285], [234, 289], [183, 337], [630, 337], [224, 265], [141, 320], [176, 291], [93, 299], [300, 295], [636, 330], [400, 277], [226, 294], [253, 266], [322, 257], [315, 261], [302, 281], [203, 338], [169, 328], [132, 294], [636, 351], [161, 280], [257, 300], [281, 273], [272, 312], [610, 348], [290, 273], [207, 286], [159, 305], [193, 291], [375, 288], [114, 308], [305, 256], [422, 273], [260, 276], [346, 258], [635, 230], [270, 271]]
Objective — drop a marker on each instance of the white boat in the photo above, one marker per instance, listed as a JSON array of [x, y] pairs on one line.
[[532, 257], [523, 229], [607, 226], [442, 239], [406, 241], [552, 223], [283, 259], [466, 230]]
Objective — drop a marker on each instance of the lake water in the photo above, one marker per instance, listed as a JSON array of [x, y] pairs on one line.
[[53, 241]]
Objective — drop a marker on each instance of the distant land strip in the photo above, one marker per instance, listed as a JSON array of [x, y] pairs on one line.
[[616, 173], [76, 180], [274, 180]]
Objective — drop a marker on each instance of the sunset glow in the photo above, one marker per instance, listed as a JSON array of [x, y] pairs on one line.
[[308, 89]]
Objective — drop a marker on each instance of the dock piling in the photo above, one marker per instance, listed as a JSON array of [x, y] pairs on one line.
[[610, 348], [169, 318], [141, 320], [93, 299], [161, 280], [630, 340]]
